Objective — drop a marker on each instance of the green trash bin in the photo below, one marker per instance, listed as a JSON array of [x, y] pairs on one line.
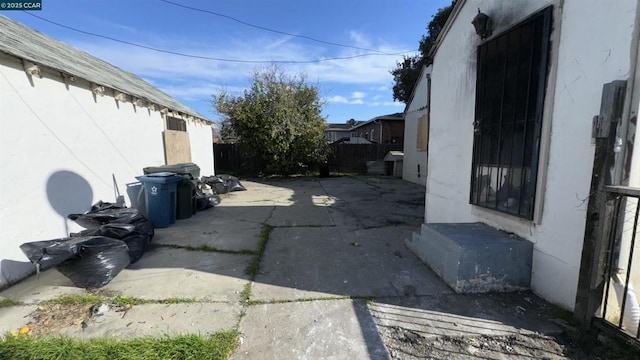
[[186, 202], [182, 168]]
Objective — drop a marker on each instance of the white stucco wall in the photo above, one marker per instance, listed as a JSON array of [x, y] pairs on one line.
[[60, 151], [412, 156], [584, 56]]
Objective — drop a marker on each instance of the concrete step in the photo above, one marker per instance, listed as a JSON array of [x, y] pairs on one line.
[[474, 257]]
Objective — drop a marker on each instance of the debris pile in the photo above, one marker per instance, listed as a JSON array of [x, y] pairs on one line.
[[114, 237]]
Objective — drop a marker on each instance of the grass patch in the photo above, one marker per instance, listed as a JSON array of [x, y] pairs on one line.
[[6, 302], [217, 347], [122, 300], [245, 295], [254, 266], [75, 299], [250, 302]]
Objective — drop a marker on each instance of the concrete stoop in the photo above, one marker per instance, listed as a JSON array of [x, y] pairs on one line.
[[474, 257]]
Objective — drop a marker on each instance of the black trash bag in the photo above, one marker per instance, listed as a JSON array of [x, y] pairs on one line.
[[97, 261], [211, 180], [204, 201], [232, 182], [223, 184], [101, 205], [95, 219], [136, 239], [49, 253], [218, 185]]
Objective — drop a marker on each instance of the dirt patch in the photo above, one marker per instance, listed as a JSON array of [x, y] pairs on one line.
[[404, 344], [49, 319]]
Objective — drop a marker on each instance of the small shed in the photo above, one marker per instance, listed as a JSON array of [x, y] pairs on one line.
[[393, 163]]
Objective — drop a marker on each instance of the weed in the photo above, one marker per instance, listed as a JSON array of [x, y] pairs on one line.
[[254, 266], [122, 300], [7, 302], [75, 299], [217, 347]]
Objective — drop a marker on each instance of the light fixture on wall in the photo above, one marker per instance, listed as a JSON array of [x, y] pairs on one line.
[[97, 89], [32, 69], [482, 23]]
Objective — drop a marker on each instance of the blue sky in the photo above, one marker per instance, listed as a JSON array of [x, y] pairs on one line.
[[359, 87]]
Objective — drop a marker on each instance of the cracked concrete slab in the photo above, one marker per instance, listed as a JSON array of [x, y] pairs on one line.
[[220, 232], [34, 289], [328, 262], [159, 320], [12, 318], [327, 329], [164, 273]]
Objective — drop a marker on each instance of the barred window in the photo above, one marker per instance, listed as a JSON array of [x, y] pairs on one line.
[[510, 89]]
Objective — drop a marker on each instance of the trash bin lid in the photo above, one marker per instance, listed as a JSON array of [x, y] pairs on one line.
[[160, 178], [161, 174]]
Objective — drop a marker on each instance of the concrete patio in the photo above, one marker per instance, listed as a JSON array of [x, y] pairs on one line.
[[335, 280]]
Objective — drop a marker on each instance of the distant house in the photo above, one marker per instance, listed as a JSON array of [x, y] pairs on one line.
[[385, 129], [514, 119], [75, 130], [416, 130], [338, 132]]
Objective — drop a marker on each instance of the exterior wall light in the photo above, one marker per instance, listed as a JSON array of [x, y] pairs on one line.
[[482, 23]]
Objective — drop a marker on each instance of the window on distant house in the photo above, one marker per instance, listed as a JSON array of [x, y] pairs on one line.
[[510, 87], [176, 124]]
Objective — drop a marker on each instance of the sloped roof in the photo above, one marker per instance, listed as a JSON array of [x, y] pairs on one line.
[[26, 43], [392, 117]]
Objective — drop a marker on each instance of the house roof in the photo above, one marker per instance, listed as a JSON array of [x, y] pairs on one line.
[[390, 117], [360, 123], [447, 26], [29, 44], [421, 77]]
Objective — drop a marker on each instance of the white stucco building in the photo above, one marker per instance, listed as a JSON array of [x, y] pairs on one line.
[[416, 130], [510, 122], [74, 130]]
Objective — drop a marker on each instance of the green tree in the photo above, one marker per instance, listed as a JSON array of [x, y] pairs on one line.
[[406, 72], [277, 121]]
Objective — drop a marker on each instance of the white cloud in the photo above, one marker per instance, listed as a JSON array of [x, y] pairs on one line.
[[343, 100], [358, 95], [359, 39], [198, 92], [386, 103]]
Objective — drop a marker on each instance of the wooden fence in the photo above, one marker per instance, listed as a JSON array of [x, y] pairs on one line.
[[346, 158]]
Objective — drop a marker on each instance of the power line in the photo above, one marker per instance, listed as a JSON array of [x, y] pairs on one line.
[[214, 58], [272, 30]]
